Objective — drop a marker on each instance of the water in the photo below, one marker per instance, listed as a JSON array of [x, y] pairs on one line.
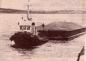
[[50, 51]]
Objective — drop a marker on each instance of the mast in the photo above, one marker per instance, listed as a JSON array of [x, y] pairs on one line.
[[28, 11], [33, 28]]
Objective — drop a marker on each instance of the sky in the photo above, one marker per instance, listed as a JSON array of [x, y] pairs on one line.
[[9, 21]]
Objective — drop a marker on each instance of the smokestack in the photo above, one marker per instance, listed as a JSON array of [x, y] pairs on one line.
[[33, 29]]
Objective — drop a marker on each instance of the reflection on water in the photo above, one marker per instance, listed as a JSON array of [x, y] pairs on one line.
[[50, 51]]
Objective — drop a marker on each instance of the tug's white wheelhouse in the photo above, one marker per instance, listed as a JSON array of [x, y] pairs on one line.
[[28, 26], [25, 26]]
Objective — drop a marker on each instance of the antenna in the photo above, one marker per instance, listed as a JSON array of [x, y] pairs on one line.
[[28, 11]]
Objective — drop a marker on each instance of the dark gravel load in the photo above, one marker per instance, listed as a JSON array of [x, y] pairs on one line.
[[61, 30]]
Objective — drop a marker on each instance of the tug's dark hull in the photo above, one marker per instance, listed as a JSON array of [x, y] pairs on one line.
[[26, 39]]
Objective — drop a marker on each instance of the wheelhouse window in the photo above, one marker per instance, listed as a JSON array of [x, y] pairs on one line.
[[24, 27]]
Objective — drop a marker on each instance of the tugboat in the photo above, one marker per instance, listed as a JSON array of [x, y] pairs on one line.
[[27, 36]]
